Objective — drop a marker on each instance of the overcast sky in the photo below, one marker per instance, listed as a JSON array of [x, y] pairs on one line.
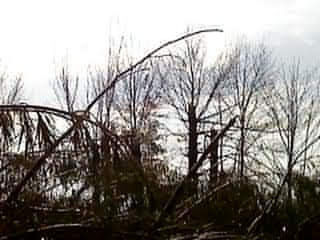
[[38, 36]]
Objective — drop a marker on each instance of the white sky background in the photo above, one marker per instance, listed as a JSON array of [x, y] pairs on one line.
[[38, 36]]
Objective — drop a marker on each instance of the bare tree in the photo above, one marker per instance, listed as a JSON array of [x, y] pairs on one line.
[[293, 113], [100, 78], [289, 146], [11, 90], [191, 87], [252, 71], [137, 99], [66, 89]]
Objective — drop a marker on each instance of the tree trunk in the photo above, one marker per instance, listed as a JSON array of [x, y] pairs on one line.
[[192, 146], [214, 159], [242, 145]]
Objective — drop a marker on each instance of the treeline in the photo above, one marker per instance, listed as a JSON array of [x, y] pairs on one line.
[[174, 145]]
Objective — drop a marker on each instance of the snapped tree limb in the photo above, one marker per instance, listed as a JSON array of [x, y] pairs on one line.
[[172, 200]]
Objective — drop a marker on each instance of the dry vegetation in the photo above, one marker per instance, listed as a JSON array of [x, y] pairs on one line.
[[250, 136]]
